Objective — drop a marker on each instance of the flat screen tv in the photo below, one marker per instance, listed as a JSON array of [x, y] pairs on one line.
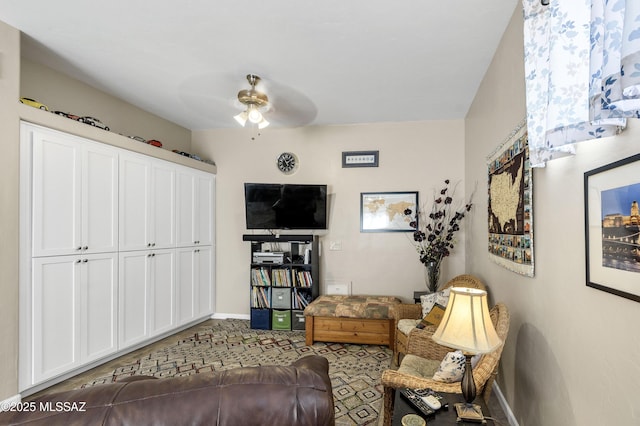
[[285, 206]]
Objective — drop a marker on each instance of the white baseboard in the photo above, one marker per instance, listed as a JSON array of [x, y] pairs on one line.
[[505, 406], [10, 402], [232, 316]]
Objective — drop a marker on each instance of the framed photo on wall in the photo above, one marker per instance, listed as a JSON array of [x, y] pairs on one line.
[[384, 211], [612, 227]]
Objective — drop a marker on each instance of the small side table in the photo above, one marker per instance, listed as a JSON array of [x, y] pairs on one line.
[[417, 294], [443, 417]]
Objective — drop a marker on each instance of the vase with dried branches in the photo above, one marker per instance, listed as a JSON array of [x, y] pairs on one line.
[[434, 237]]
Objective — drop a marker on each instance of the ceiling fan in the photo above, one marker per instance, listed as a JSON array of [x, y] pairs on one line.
[[214, 97], [256, 104]]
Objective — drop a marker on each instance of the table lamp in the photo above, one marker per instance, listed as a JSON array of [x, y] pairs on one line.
[[466, 325]]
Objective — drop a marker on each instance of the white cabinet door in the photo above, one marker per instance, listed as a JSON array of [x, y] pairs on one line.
[[204, 284], [195, 283], [185, 285], [185, 207], [195, 204], [56, 182], [163, 205], [133, 297], [55, 314], [99, 200], [204, 209], [74, 312], [74, 184], [147, 203], [135, 177], [162, 299], [98, 293], [146, 297]]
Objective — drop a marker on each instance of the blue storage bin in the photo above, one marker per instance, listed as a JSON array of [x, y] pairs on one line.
[[261, 319]]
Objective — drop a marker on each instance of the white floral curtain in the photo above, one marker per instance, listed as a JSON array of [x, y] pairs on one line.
[[582, 69]]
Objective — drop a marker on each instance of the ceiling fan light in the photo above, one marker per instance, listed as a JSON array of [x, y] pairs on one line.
[[241, 118], [254, 115], [254, 100], [263, 123]]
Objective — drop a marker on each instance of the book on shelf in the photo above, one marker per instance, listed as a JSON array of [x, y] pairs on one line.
[[303, 279], [260, 297], [281, 277], [260, 276], [300, 299]]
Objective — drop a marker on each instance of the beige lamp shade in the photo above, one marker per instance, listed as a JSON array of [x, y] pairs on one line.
[[466, 324]]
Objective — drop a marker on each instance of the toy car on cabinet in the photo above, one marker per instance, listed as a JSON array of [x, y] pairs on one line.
[[93, 122], [34, 103]]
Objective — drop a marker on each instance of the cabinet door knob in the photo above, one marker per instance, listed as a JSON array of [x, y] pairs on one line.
[[85, 248], [79, 248], [85, 260], [153, 255], [78, 261], [153, 244], [148, 244]]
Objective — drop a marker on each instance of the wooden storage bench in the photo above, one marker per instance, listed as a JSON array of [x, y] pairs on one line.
[[365, 320]]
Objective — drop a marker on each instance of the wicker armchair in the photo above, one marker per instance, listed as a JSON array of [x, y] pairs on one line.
[[414, 311], [423, 346]]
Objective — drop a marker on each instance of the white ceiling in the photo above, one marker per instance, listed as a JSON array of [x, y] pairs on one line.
[[322, 62]]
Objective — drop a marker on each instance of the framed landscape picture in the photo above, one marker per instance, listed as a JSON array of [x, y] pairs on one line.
[[612, 227], [384, 211]]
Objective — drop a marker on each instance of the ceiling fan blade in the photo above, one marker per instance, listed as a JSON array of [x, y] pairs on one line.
[[289, 107]]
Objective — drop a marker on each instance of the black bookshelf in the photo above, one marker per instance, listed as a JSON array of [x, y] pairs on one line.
[[280, 290]]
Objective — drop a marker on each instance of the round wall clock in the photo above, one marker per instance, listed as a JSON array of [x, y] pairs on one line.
[[287, 162]]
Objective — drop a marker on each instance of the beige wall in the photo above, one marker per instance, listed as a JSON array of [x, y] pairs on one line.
[[9, 160], [413, 157], [572, 353], [62, 93]]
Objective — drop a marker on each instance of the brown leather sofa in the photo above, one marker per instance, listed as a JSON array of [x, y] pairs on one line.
[[299, 394]]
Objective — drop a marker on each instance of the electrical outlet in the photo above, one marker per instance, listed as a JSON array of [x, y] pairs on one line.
[[335, 245], [337, 287]]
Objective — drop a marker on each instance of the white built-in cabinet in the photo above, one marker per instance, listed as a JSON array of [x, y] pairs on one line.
[[195, 205], [147, 295], [147, 203], [74, 311], [116, 250], [194, 270], [75, 183]]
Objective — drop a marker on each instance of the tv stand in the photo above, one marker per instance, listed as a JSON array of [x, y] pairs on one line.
[[267, 238]]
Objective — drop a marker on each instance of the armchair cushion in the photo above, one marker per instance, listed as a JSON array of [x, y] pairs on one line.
[[406, 325], [452, 367], [414, 365], [428, 301], [450, 370], [433, 317]]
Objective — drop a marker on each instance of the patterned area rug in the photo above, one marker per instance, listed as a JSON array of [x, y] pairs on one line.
[[217, 345]]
